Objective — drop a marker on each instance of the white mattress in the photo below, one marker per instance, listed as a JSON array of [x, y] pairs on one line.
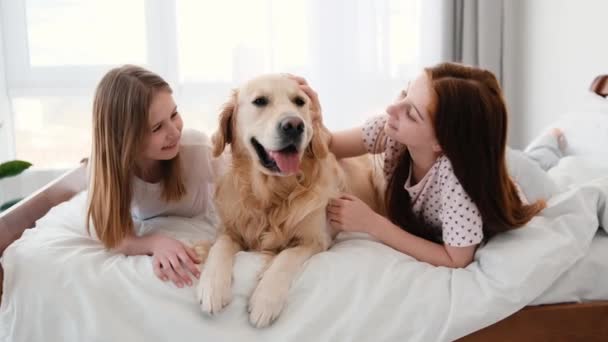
[[61, 285], [587, 280]]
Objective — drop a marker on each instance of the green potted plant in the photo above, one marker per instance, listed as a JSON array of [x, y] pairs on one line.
[[10, 169]]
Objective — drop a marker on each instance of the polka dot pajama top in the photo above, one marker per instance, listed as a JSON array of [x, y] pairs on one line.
[[438, 198]]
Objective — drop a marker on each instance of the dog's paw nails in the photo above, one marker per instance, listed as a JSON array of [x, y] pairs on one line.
[[264, 308], [213, 295], [262, 317], [213, 304]]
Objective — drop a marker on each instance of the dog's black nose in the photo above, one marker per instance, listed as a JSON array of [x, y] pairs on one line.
[[291, 127]]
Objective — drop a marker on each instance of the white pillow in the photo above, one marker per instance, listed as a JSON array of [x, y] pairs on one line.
[[586, 130], [577, 170], [594, 102], [586, 134], [533, 181]]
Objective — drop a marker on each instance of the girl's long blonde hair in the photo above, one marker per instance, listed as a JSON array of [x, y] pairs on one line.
[[120, 125]]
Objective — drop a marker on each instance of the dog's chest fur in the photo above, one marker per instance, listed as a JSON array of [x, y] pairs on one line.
[[263, 212]]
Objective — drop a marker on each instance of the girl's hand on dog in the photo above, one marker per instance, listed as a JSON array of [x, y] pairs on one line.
[[348, 213], [315, 106], [173, 260]]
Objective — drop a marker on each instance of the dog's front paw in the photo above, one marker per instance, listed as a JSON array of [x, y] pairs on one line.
[[214, 290], [201, 248], [267, 302]]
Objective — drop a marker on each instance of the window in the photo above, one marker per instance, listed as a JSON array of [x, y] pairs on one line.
[[357, 54], [258, 37], [71, 32], [52, 131]]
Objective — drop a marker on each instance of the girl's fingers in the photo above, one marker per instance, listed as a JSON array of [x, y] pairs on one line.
[[300, 80], [315, 106], [187, 261], [336, 224], [310, 92], [158, 270], [335, 217], [192, 254], [177, 268], [347, 197], [335, 202], [333, 210], [170, 273]]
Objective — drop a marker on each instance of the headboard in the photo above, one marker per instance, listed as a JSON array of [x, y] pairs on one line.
[[600, 85], [24, 214]]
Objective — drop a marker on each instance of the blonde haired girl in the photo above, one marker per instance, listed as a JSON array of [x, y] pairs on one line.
[[143, 166]]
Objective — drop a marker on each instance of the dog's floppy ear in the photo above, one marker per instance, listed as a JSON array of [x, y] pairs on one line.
[[319, 145], [223, 135]]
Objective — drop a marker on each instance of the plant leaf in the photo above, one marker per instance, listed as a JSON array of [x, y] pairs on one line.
[[9, 204], [13, 168]]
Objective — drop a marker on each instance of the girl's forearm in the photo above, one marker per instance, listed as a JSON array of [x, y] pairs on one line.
[[345, 144], [136, 245], [419, 248]]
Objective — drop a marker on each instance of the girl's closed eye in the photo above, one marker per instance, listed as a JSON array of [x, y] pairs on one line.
[[174, 115], [156, 128], [410, 116], [409, 113]]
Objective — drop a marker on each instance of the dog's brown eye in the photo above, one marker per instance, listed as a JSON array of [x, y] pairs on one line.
[[299, 101], [260, 101]]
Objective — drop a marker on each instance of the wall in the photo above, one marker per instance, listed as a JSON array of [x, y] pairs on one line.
[[553, 50]]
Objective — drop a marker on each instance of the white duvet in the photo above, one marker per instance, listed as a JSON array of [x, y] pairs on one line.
[[61, 285]]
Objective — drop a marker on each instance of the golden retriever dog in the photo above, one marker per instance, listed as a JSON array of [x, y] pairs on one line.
[[273, 197]]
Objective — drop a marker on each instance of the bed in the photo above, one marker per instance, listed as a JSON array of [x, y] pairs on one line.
[[77, 291]]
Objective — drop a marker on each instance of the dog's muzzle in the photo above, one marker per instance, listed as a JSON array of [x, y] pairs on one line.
[[291, 130], [285, 161]]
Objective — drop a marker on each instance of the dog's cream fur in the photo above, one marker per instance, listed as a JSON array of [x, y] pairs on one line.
[[280, 215]]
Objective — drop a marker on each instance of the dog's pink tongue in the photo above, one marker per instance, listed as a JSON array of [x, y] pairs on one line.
[[287, 162]]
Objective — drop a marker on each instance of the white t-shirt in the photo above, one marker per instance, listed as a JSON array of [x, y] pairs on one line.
[[200, 169]]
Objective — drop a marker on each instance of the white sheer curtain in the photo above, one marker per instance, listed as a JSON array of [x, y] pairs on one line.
[[6, 124], [356, 53]]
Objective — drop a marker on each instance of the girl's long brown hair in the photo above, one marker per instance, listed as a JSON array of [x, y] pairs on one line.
[[470, 121], [120, 125]]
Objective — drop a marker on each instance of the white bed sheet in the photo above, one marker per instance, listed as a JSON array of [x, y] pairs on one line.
[[61, 285], [587, 280]]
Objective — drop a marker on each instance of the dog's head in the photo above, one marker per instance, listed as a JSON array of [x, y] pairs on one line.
[[268, 119]]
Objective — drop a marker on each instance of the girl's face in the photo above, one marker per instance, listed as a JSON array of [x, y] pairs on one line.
[[164, 128], [410, 116]]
